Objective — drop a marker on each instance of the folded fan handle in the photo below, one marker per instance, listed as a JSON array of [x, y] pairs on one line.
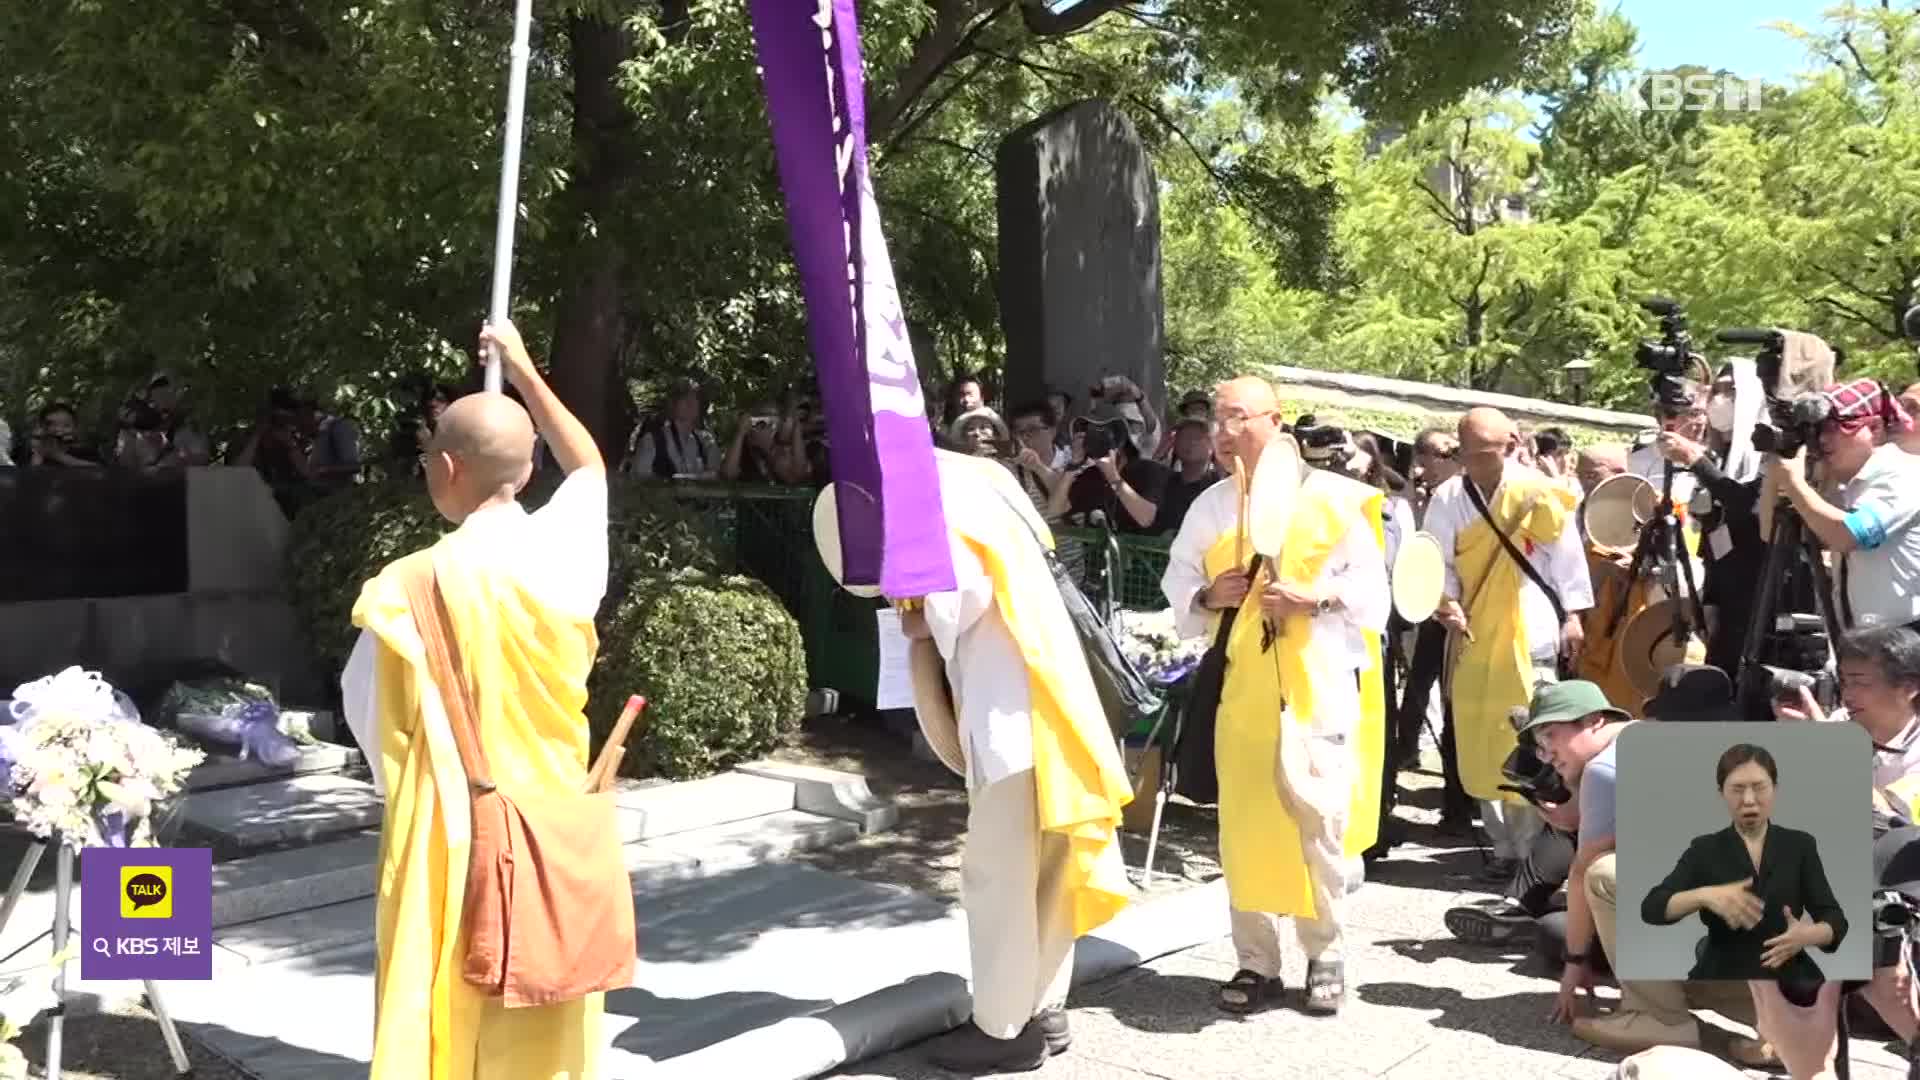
[[607, 765]]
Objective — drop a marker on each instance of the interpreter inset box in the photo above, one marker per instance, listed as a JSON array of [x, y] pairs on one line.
[[1744, 851]]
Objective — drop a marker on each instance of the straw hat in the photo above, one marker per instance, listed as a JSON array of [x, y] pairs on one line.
[[957, 429], [1648, 648]]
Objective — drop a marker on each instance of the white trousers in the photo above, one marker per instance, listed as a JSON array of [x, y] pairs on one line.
[[1256, 934], [1019, 913]]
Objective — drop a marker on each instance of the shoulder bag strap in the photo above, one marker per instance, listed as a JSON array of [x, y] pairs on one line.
[[443, 660], [1526, 564]]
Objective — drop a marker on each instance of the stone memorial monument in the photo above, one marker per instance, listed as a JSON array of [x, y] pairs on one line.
[[1079, 281]]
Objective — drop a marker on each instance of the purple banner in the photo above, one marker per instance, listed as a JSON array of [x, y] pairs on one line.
[[146, 913], [892, 531]]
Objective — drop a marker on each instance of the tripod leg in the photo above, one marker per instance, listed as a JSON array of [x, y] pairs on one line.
[[62, 897], [175, 1048], [1153, 835], [21, 876]]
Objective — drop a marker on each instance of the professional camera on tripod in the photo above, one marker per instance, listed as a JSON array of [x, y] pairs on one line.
[[1786, 651]]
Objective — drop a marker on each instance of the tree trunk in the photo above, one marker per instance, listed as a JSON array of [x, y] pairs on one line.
[[586, 370]]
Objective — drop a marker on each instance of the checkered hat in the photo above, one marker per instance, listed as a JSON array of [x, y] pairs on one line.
[[1857, 403]]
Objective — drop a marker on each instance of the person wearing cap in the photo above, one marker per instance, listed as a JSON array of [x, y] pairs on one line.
[[979, 432], [1293, 823], [1867, 514], [676, 444], [1512, 551], [1194, 405], [1005, 699], [1652, 1012], [1572, 727], [1123, 485], [1194, 472]]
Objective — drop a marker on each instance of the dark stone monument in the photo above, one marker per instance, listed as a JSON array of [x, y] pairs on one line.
[[1080, 256]]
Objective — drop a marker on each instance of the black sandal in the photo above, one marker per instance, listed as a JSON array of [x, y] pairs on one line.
[[1247, 992], [1326, 987]]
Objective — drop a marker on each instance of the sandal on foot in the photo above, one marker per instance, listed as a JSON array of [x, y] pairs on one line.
[[1326, 986], [1247, 992]]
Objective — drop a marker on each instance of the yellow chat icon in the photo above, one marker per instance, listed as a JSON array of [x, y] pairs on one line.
[[146, 892]]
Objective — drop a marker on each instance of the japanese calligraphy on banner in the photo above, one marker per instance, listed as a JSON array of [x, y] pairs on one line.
[[892, 531]]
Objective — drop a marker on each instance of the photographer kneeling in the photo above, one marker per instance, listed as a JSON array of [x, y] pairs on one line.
[[1867, 515]]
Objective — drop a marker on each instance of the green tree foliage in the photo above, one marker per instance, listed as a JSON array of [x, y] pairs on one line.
[[257, 193]]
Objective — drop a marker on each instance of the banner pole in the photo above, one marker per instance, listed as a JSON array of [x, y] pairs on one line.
[[498, 311]]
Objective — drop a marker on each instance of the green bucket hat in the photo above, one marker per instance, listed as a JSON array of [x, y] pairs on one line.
[[1563, 703]]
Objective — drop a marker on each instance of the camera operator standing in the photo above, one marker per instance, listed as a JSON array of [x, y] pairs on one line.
[[1867, 515], [1727, 466]]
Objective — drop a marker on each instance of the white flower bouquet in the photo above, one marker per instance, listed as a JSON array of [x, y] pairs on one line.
[[79, 763], [1149, 640]]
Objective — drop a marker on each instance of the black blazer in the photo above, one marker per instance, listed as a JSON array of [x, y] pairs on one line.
[[1790, 874]]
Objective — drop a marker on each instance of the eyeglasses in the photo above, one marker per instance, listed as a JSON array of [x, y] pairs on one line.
[[1029, 429], [1234, 425]]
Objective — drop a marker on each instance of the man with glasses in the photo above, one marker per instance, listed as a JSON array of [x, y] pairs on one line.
[[1037, 461], [1680, 411], [1516, 585], [1302, 664]]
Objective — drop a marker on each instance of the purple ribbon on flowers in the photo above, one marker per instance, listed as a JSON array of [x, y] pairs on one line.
[[893, 532]]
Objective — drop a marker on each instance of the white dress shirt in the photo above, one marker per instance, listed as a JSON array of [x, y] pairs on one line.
[[558, 553], [1356, 573], [1562, 564], [1648, 463], [986, 669]]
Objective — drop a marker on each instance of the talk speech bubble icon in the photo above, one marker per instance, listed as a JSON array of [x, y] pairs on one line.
[[145, 893]]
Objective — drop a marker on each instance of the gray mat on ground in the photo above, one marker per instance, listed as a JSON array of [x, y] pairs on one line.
[[768, 973]]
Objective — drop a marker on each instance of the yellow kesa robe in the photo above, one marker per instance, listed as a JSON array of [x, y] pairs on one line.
[[529, 667], [1081, 784], [1260, 848], [1493, 673]]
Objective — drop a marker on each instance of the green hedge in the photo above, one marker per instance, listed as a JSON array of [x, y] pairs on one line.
[[721, 664], [340, 542]]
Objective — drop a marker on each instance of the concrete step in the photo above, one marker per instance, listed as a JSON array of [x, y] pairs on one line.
[[830, 793], [277, 813], [222, 770], [656, 868], [297, 879], [648, 813]]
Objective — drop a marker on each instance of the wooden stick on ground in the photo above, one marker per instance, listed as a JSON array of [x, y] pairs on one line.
[[607, 766]]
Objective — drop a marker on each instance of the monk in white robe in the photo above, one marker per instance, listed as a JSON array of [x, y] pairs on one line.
[[1507, 634], [429, 1023], [1005, 699], [1301, 724]]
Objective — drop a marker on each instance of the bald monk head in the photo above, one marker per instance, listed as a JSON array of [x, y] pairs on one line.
[[1487, 436], [1597, 464], [1246, 415], [481, 454]]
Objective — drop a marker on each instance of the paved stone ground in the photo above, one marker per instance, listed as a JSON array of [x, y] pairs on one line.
[[1420, 1003]]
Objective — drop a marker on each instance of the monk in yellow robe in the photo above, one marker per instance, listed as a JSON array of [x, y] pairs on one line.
[[1005, 700], [1300, 729], [1509, 632], [1614, 603], [521, 590]]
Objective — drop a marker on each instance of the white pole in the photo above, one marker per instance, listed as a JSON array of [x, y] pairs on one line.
[[498, 311]]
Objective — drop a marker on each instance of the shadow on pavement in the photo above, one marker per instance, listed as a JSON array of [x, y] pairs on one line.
[[1521, 1020], [1517, 955]]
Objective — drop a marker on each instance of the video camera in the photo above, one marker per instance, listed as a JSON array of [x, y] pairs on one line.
[[1789, 425], [1533, 779], [1322, 445], [1670, 355], [1102, 437]]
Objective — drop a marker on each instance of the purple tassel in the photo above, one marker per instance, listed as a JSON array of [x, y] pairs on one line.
[[113, 827]]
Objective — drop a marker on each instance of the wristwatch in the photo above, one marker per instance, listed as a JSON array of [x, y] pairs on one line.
[[1323, 607], [1576, 958]]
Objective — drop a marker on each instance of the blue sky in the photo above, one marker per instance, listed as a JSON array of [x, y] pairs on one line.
[[1729, 34]]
